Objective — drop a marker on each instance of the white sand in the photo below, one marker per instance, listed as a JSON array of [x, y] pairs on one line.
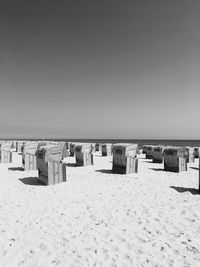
[[100, 219]]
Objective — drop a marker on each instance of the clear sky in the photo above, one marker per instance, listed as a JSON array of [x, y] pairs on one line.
[[100, 69]]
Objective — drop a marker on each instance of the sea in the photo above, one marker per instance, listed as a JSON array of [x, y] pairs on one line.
[[140, 142]]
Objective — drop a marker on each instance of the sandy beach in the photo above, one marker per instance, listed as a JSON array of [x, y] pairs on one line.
[[97, 218]]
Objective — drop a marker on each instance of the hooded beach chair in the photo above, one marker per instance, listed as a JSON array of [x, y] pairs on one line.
[[175, 159], [83, 154], [51, 169], [125, 158]]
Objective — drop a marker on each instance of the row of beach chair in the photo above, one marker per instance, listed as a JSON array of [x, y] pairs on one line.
[[47, 157], [174, 158]]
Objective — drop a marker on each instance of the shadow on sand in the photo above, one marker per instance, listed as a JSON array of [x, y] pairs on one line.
[[157, 170], [105, 171], [193, 191], [72, 165], [16, 169], [31, 181], [194, 168]]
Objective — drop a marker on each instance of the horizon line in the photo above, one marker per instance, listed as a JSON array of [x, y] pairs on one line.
[[70, 138]]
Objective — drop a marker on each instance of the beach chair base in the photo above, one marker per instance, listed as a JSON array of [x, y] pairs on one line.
[[124, 165], [84, 159], [157, 160], [181, 167], [149, 156], [106, 153], [56, 173], [30, 162], [6, 157], [190, 159]]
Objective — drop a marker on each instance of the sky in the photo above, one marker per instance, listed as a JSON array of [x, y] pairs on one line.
[[100, 69]]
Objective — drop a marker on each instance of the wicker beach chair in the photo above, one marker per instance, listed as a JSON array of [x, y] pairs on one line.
[[51, 169]]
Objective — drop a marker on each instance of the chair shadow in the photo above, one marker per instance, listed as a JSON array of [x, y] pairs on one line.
[[105, 171], [193, 191], [31, 181], [16, 169], [194, 168], [72, 165], [157, 170]]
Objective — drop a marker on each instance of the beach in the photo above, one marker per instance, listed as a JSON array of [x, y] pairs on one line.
[[97, 218]]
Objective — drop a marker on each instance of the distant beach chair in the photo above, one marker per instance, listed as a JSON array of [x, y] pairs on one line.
[[125, 158], [51, 169], [22, 148], [190, 157], [97, 147], [175, 159], [144, 148], [6, 153], [14, 146], [93, 147], [149, 151], [65, 148], [71, 149], [28, 157], [196, 152], [106, 149], [158, 154], [83, 154], [19, 146]]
